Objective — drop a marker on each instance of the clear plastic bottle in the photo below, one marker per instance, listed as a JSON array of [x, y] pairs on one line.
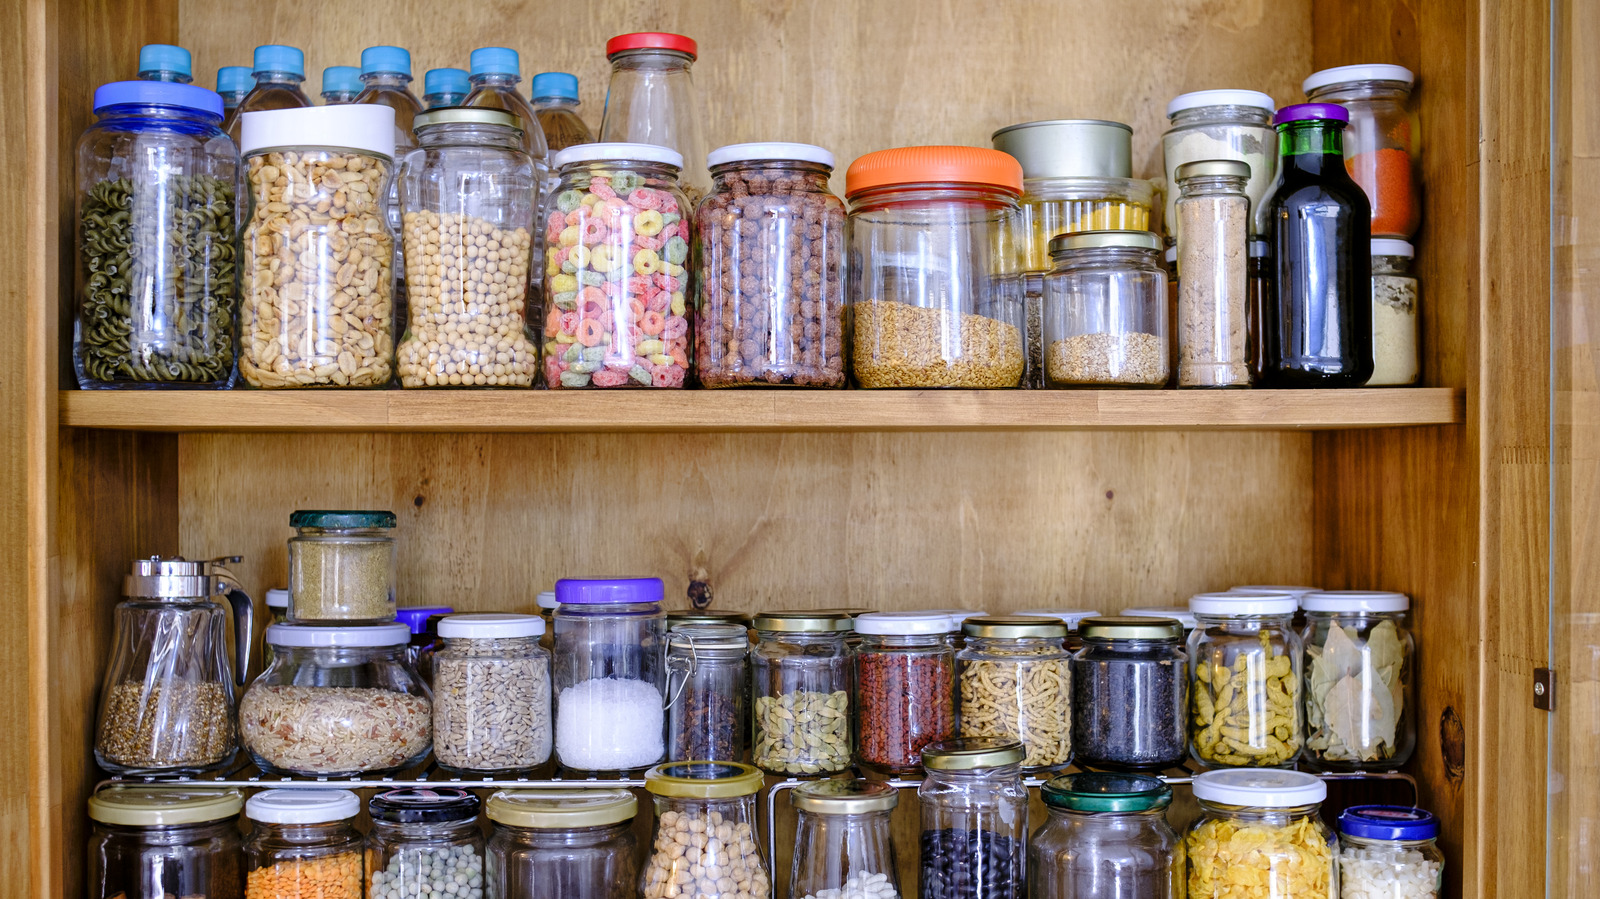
[[651, 100], [496, 72], [1107, 838], [278, 72], [340, 85], [301, 837], [424, 842], [445, 87], [555, 103], [233, 84], [843, 846], [1214, 295], [386, 81], [165, 62]]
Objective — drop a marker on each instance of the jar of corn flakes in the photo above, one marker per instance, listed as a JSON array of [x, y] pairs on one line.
[[1260, 833]]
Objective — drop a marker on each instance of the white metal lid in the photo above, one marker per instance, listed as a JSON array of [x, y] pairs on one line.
[[910, 623], [1258, 589], [1355, 601], [776, 151], [491, 626], [1388, 246], [1197, 99], [1346, 74], [1181, 613], [617, 151], [1259, 787], [546, 599], [360, 127], [324, 635], [277, 599], [1242, 604], [1070, 616], [302, 806]]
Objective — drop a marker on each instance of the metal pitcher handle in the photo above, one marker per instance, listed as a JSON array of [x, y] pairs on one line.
[[243, 611]]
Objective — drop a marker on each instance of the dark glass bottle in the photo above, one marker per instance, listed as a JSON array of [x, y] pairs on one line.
[[1318, 332]]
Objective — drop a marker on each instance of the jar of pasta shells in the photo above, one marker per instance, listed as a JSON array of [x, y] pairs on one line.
[[1015, 681], [1260, 833], [1244, 693]]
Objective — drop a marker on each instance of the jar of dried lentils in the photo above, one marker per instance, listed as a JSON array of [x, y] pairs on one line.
[[303, 845], [905, 688], [772, 269]]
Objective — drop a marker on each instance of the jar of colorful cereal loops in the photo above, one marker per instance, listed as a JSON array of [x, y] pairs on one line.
[[615, 272]]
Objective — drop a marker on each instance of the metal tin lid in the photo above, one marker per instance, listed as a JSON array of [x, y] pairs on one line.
[[1348, 74], [802, 621], [1014, 627], [1355, 601], [163, 807], [1131, 627], [422, 805], [356, 127], [467, 115], [491, 626], [318, 635], [1179, 613], [906, 624], [685, 617], [844, 797], [176, 578], [1259, 788], [617, 152], [291, 806], [1234, 605], [703, 780], [609, 591], [1069, 148], [1093, 791], [1388, 822], [1213, 168], [972, 754], [1072, 617], [560, 809], [717, 637], [1088, 240], [341, 519]]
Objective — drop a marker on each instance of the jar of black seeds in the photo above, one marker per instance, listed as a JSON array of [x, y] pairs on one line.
[[1129, 692]]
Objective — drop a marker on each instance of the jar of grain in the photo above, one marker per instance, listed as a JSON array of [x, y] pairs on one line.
[[905, 687], [1105, 311], [491, 694], [424, 842], [186, 840], [303, 837], [342, 566], [1213, 294], [610, 673], [1015, 681], [710, 809], [802, 692], [1394, 315], [708, 686], [562, 844], [1222, 124]]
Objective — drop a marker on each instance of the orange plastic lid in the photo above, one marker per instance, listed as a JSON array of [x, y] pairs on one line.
[[923, 165]]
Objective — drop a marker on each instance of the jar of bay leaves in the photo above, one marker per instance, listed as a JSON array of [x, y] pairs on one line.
[[1358, 675]]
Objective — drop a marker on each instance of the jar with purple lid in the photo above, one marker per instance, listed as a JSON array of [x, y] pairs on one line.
[[610, 673], [424, 624]]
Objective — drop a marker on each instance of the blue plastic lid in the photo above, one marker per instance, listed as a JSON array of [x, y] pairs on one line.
[[554, 84], [164, 58], [344, 79], [1388, 822], [446, 81], [386, 59], [416, 617], [570, 591], [158, 93], [279, 58], [234, 79], [496, 61]]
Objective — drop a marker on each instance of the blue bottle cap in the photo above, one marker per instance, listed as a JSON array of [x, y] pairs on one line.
[[396, 60], [344, 79], [496, 61], [446, 81], [158, 93], [416, 617], [554, 84], [164, 58], [279, 58], [1388, 822], [234, 79]]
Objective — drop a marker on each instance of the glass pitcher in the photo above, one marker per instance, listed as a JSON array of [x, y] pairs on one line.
[[167, 705]]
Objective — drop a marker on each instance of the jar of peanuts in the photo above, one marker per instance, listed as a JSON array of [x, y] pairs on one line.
[[318, 275], [616, 269], [303, 844], [706, 844], [468, 195]]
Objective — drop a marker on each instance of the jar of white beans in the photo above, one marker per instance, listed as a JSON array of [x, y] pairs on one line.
[[1389, 852]]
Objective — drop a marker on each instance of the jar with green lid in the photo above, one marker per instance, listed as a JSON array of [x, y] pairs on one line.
[[152, 843], [562, 844], [842, 841], [707, 685], [716, 800], [1015, 681], [1105, 311], [974, 820], [1129, 691], [424, 843], [1107, 838], [1260, 827], [1244, 693], [801, 669], [342, 567]]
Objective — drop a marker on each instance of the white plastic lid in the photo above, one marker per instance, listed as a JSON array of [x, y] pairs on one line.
[[1197, 99], [1355, 601], [1388, 246], [776, 151], [1345, 74], [323, 635], [1241, 604], [363, 128], [1258, 589], [1172, 254], [1070, 616], [956, 616], [302, 806], [1181, 613], [910, 623], [491, 626], [612, 151], [546, 599], [1259, 787], [277, 599]]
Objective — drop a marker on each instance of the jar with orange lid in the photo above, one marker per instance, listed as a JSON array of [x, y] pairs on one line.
[[934, 293]]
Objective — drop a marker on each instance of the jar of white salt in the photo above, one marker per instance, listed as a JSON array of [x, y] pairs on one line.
[[1224, 124], [609, 673], [1394, 315], [1389, 852]]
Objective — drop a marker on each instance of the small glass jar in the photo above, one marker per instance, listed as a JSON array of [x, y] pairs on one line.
[[1260, 830], [1107, 838], [771, 291], [933, 265], [1244, 693], [651, 99], [610, 673], [342, 567], [707, 684], [491, 694], [842, 840], [337, 702], [905, 688], [157, 187], [1382, 150], [974, 820], [303, 837], [319, 189], [1214, 297], [616, 272], [802, 692], [1105, 311], [1395, 353], [1129, 692], [149, 843], [1223, 124], [424, 843], [1016, 682], [1389, 852], [562, 844], [1360, 711], [716, 802], [1052, 207]]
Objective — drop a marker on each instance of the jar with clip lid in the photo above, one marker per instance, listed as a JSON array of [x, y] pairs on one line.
[[706, 712]]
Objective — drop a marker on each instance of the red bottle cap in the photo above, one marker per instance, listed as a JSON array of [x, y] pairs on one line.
[[651, 40]]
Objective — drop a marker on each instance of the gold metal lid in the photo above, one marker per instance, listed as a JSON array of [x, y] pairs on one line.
[[844, 797], [1015, 627], [1124, 627], [464, 115], [555, 809], [677, 618], [972, 754], [1088, 240], [802, 621], [158, 807], [703, 780]]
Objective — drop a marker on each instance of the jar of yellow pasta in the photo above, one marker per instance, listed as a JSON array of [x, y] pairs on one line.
[[1260, 836], [1245, 660]]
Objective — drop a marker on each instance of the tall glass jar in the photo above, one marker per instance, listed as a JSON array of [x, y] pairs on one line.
[[1105, 311], [617, 269], [610, 673], [1016, 682], [1395, 353], [342, 566], [157, 182], [1107, 838], [1382, 146], [1260, 828], [562, 844], [933, 266], [1214, 294], [842, 840], [1224, 124], [708, 686], [802, 675], [150, 843], [651, 100], [905, 688], [1245, 663], [303, 837], [491, 694], [974, 820], [705, 844], [1389, 852], [319, 186], [1129, 692], [1360, 711], [424, 843]]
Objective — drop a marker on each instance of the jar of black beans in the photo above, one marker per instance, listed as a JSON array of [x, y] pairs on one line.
[[974, 820], [1129, 692]]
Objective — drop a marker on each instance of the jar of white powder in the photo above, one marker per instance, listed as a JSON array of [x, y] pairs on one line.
[[1395, 352], [1225, 124], [610, 673], [1389, 852]]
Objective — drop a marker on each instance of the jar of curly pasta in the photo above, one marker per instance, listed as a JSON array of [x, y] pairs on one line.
[[1260, 833], [1015, 681]]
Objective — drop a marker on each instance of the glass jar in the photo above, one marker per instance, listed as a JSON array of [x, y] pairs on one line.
[[974, 820], [1244, 693], [276, 75], [491, 694], [842, 840], [1069, 617], [934, 293], [1107, 838], [802, 692], [1213, 300], [1382, 149], [157, 185], [1360, 712], [905, 687], [319, 185], [1260, 832], [303, 844], [1055, 206], [617, 269], [1105, 311], [337, 702], [152, 843], [1395, 351], [1129, 692], [713, 802], [424, 843], [1389, 852], [706, 714], [1224, 124], [342, 566], [610, 673], [1016, 682], [651, 100], [562, 844], [770, 307]]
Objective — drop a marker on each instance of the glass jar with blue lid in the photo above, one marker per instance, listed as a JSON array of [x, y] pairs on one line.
[[1389, 851], [610, 673]]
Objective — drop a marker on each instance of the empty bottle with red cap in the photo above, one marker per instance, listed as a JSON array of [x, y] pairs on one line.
[[651, 100]]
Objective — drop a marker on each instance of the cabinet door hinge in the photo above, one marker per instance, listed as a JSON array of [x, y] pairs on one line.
[[1544, 689]]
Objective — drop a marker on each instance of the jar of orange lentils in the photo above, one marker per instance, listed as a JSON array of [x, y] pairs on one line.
[[303, 845]]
